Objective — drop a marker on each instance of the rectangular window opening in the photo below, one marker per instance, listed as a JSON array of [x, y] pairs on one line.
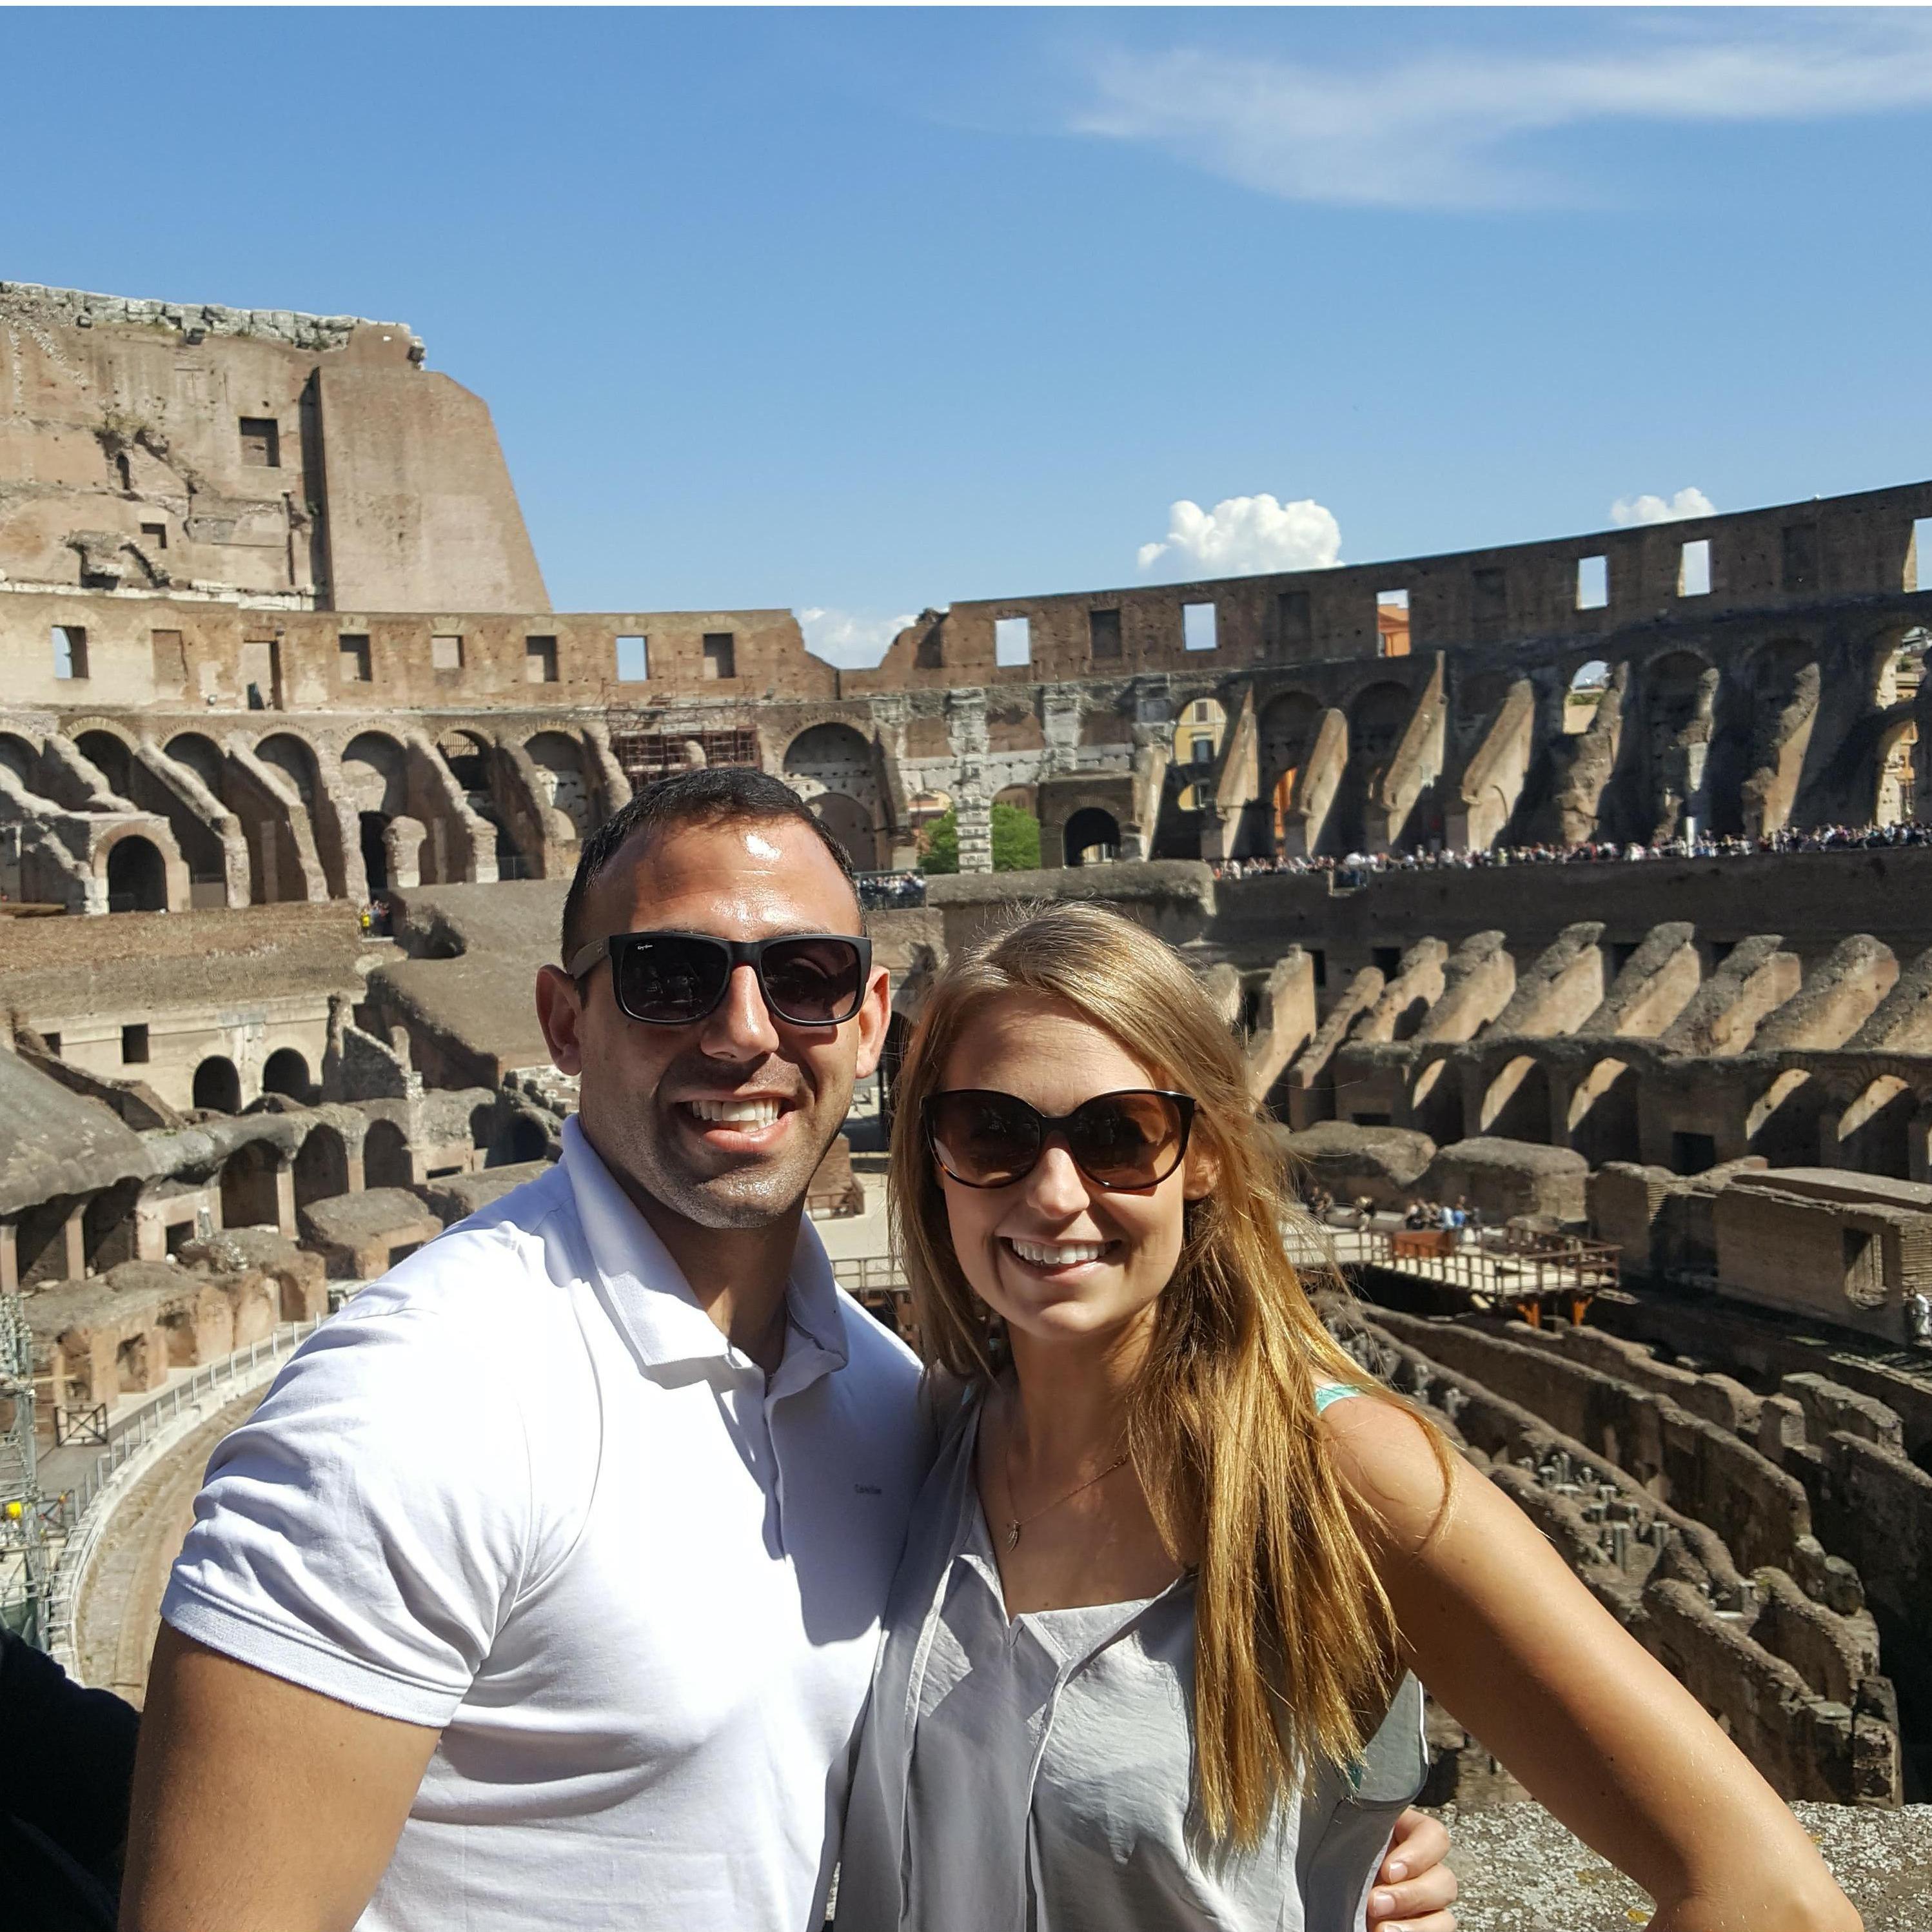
[[720, 654], [155, 535], [261, 443], [1197, 627], [1203, 750], [1919, 556], [352, 655], [634, 660], [1692, 1153], [52, 1041], [1320, 959], [446, 651], [1693, 569], [1103, 633], [1293, 625], [540, 661], [1801, 556], [1387, 960], [1013, 640], [170, 657], [134, 1045], [1392, 633], [1593, 583], [70, 643]]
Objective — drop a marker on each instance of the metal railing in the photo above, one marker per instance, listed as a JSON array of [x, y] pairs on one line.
[[72, 1512]]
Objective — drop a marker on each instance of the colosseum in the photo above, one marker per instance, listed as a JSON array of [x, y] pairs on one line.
[[1572, 891]]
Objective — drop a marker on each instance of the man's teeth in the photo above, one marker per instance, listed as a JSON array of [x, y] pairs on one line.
[[735, 1113], [1059, 1254]]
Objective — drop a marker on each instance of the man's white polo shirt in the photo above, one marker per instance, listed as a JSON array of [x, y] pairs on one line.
[[522, 1489]]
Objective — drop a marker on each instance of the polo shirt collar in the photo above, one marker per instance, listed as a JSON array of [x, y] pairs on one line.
[[649, 1298]]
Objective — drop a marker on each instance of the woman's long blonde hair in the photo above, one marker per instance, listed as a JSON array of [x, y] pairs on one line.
[[1295, 1641]]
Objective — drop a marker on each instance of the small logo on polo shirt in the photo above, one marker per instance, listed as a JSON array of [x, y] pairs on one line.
[[867, 1490]]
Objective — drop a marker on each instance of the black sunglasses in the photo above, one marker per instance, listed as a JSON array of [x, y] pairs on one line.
[[1121, 1141], [673, 979]]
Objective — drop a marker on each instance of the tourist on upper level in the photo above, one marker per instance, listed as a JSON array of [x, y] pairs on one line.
[[1147, 1660]]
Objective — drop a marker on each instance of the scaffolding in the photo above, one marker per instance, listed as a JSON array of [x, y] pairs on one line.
[[25, 1571]]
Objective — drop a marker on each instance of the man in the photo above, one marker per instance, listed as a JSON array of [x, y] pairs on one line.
[[544, 1587]]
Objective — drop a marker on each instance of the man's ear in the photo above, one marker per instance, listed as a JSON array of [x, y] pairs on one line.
[[874, 1016], [560, 1014]]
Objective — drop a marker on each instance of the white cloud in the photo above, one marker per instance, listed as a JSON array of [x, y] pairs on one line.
[[1433, 130], [849, 638], [1242, 534], [1688, 501]]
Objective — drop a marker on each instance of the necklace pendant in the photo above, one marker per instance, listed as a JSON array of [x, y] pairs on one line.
[[1012, 1534]]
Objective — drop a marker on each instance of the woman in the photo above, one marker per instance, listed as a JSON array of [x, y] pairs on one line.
[[1145, 1662]]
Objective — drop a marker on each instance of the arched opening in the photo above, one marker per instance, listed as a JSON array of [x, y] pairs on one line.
[[829, 761], [1377, 720], [1092, 837], [559, 759], [322, 1166], [386, 1157], [468, 758], [1435, 1103], [286, 1073], [108, 756], [295, 761], [1517, 1107], [217, 1085], [1286, 737], [1875, 1131], [848, 822], [137, 877], [248, 1188], [1782, 1124], [1197, 733], [528, 1140], [1603, 1121], [375, 856], [1897, 798], [20, 758], [201, 755], [1584, 698], [1680, 705]]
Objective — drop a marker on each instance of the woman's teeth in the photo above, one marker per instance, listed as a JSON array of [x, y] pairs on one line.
[[1059, 1254], [735, 1113]]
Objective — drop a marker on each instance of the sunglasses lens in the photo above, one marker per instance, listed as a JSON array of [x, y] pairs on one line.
[[1126, 1140], [984, 1139], [670, 980], [814, 981]]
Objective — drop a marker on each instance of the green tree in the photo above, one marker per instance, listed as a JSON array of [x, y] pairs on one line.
[[1015, 840]]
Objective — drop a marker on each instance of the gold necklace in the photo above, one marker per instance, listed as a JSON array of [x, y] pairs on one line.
[[1017, 1523]]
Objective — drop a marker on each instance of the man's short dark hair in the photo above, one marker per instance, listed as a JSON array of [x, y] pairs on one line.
[[721, 795]]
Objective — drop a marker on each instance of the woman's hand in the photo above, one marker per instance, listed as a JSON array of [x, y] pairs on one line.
[[1414, 1888]]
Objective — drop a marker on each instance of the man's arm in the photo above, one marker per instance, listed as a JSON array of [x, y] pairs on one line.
[[258, 1806]]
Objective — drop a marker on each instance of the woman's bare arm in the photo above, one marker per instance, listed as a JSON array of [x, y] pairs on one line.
[[1514, 1646]]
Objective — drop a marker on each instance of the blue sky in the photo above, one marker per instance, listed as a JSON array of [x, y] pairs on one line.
[[857, 312]]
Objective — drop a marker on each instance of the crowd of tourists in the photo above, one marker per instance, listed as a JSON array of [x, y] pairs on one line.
[[1358, 868], [889, 891]]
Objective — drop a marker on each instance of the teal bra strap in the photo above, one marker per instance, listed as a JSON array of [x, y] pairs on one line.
[[1333, 1392]]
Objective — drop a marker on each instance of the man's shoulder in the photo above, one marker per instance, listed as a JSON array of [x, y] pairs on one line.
[[873, 1353]]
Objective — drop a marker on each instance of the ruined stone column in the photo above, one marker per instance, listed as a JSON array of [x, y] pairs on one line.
[[973, 810]]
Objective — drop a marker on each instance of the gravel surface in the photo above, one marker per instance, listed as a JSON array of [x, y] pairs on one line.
[[1521, 1871]]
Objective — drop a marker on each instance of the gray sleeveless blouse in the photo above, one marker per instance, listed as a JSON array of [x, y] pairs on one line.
[[1036, 1775]]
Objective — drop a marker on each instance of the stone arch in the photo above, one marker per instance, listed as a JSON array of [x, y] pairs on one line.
[[137, 875], [286, 1073], [375, 769], [1584, 695], [217, 1085], [1021, 797], [20, 757], [295, 758], [1781, 1124], [834, 761], [1378, 715], [1092, 835], [1680, 697], [1874, 1133], [1785, 681], [1516, 1107], [322, 1165], [110, 754], [249, 1188], [201, 756], [564, 784], [1286, 735], [1435, 1103], [527, 1140], [1602, 1115], [467, 755], [848, 822], [386, 1157]]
